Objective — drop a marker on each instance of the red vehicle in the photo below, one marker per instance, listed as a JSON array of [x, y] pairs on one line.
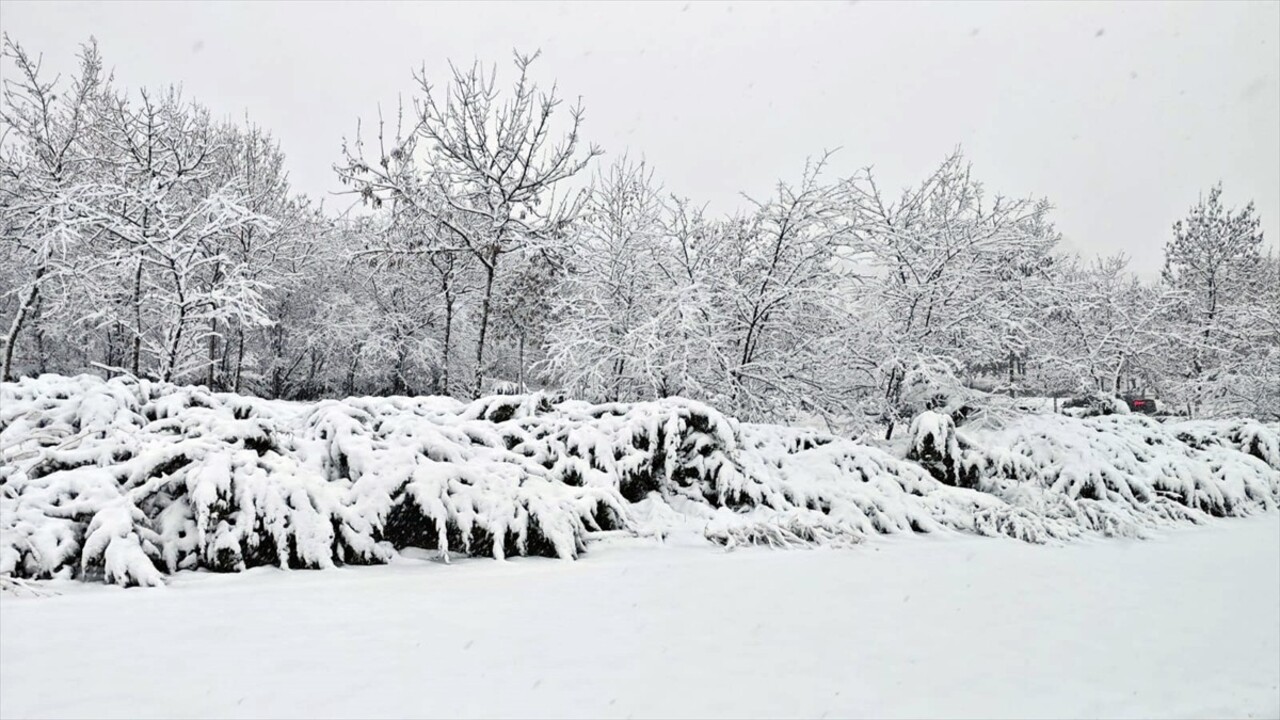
[[1140, 403]]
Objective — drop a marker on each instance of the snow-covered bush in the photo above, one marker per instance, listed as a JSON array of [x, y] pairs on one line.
[[1093, 404], [117, 479], [1248, 436], [936, 446], [125, 481], [1119, 474]]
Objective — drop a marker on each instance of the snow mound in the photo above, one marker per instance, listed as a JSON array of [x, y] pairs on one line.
[[126, 481]]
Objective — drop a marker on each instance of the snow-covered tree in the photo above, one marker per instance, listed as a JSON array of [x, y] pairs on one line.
[[690, 356], [142, 237], [44, 166], [1101, 325], [294, 353], [170, 219], [484, 164], [266, 254], [1214, 259], [603, 336], [951, 272], [782, 295]]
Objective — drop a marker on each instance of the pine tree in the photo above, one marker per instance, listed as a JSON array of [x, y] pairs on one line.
[[1211, 260]]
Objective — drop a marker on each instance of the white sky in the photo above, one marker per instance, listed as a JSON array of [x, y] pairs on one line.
[[1121, 114]]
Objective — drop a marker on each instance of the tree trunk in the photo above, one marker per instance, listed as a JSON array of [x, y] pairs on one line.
[[109, 336], [520, 372], [490, 269], [448, 333], [37, 328], [619, 368], [16, 326], [175, 345], [398, 385], [277, 347], [351, 374], [211, 376], [137, 318], [239, 358], [171, 363], [893, 390]]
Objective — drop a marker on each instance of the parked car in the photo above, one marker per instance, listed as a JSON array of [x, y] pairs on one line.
[[1107, 404], [1140, 403]]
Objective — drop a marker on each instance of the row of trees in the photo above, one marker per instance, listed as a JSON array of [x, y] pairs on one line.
[[142, 236]]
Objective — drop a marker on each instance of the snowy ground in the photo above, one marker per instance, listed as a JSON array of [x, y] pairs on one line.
[[1185, 625]]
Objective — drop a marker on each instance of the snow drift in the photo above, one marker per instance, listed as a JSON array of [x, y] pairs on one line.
[[126, 481]]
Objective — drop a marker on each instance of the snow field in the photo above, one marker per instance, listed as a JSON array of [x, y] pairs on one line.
[[1186, 624]]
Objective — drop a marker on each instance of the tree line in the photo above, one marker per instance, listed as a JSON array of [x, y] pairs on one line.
[[494, 249]]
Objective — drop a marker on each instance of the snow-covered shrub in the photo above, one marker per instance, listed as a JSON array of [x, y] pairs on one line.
[[1093, 404], [868, 491], [936, 447], [154, 476], [125, 481], [450, 482], [1248, 436], [1118, 474]]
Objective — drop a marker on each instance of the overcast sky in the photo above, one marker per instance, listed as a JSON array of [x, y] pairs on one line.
[[1120, 113]]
